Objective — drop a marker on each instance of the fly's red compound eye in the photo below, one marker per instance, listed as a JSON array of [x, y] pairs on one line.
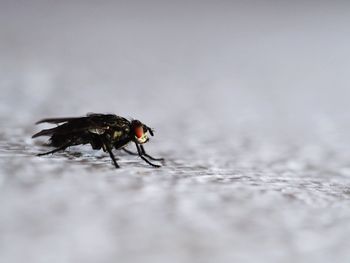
[[139, 131]]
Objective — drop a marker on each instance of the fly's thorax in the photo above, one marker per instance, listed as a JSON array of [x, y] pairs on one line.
[[120, 134], [97, 131], [117, 135]]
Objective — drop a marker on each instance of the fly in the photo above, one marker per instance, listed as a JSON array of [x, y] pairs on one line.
[[101, 131]]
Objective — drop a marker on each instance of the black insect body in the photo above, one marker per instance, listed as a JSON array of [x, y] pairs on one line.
[[102, 131]]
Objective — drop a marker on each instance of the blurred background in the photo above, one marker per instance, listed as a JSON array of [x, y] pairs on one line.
[[249, 100]]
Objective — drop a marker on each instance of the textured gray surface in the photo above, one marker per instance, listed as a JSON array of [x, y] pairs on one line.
[[250, 105]]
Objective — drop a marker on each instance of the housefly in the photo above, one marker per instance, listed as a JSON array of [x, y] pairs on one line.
[[101, 131]]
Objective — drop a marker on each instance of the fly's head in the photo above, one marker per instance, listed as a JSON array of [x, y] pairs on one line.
[[139, 131]]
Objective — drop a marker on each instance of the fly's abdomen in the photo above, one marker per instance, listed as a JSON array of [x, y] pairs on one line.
[[58, 140]]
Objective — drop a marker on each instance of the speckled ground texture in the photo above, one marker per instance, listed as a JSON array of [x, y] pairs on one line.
[[250, 103]]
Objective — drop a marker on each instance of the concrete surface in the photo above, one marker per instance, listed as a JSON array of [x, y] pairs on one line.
[[249, 101]]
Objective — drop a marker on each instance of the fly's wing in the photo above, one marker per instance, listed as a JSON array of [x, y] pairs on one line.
[[69, 125], [57, 120], [95, 123]]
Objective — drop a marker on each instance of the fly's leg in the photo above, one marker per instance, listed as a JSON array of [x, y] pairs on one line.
[[149, 156], [112, 156], [63, 147], [143, 152], [109, 150], [143, 158], [129, 152]]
